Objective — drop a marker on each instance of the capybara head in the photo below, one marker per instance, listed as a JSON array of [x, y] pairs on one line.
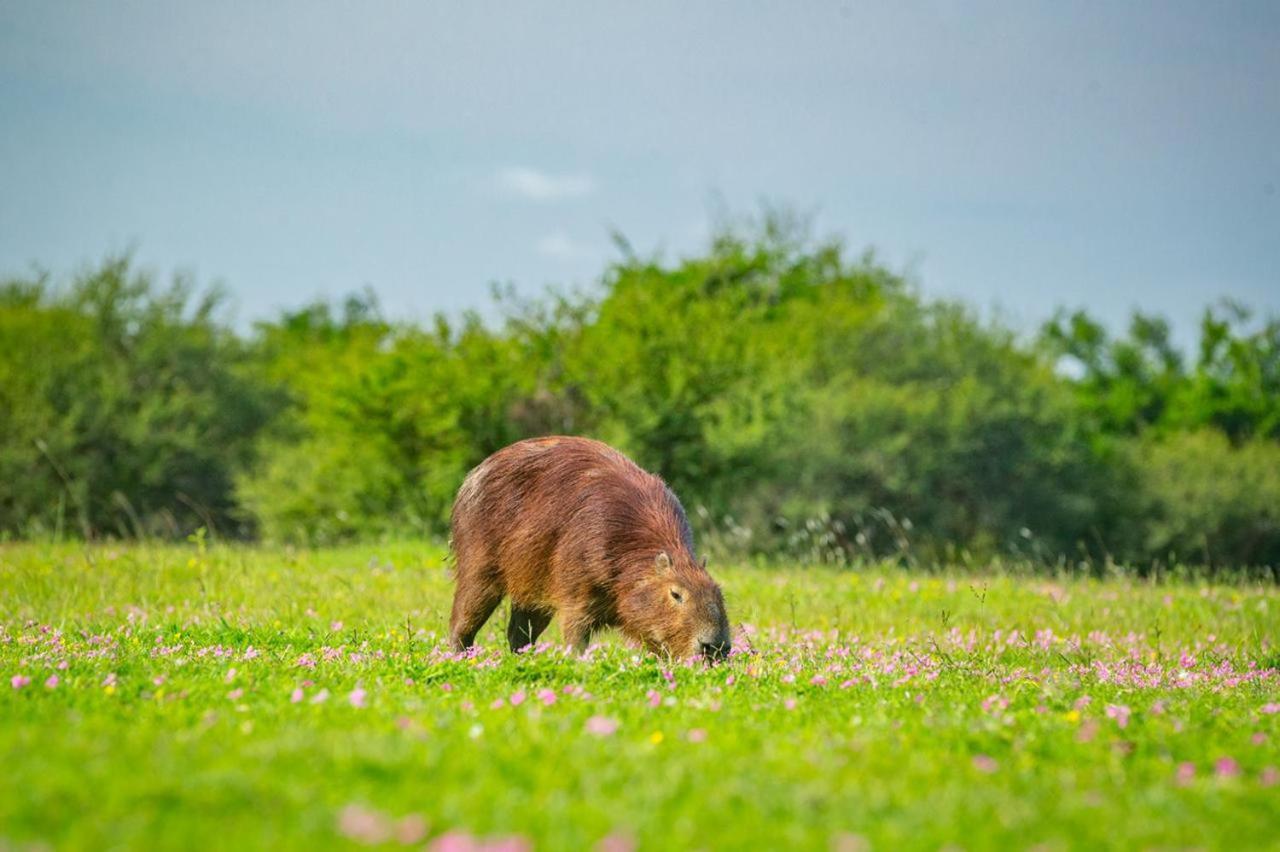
[[677, 609]]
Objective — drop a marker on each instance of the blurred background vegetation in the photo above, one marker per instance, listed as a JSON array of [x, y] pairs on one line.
[[804, 403]]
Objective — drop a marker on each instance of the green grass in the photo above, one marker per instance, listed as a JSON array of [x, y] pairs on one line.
[[930, 722]]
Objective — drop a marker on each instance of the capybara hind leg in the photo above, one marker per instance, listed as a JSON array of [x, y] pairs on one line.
[[472, 606], [525, 626]]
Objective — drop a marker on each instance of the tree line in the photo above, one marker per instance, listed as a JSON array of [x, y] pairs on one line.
[[805, 403]]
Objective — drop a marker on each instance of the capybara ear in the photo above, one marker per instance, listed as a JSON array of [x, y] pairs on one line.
[[662, 562]]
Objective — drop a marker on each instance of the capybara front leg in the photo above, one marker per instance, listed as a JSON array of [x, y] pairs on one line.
[[525, 626], [576, 628], [472, 606]]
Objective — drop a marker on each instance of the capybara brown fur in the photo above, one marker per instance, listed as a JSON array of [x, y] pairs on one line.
[[571, 527]]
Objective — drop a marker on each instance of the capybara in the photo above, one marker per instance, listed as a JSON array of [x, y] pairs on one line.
[[572, 527]]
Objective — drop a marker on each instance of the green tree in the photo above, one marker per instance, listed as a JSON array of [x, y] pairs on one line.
[[128, 407]]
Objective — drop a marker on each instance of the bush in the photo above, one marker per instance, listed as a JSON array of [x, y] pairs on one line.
[[1142, 382], [803, 403], [1204, 502], [384, 421], [128, 408]]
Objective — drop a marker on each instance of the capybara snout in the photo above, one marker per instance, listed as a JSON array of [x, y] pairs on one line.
[[571, 528]]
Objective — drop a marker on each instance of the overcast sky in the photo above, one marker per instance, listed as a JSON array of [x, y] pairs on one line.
[[1021, 155]]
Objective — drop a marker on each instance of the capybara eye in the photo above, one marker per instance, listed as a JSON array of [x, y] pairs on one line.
[[675, 594]]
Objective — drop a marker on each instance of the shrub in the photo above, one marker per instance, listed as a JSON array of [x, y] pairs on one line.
[[803, 403], [128, 408], [1204, 502]]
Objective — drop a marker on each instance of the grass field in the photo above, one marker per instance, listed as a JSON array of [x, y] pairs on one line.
[[178, 697]]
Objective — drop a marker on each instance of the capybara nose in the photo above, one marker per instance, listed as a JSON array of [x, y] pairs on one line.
[[715, 650]]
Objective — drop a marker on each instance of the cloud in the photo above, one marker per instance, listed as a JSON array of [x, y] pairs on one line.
[[560, 246], [536, 185]]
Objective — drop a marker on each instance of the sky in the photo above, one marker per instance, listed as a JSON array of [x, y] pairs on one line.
[[1020, 156]]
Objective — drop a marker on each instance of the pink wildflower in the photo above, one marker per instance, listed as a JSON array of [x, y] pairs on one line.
[[320, 697], [983, 763], [790, 704], [109, 680], [848, 842], [52, 682], [1226, 767], [602, 726], [1186, 773], [364, 825], [517, 698], [357, 697], [456, 841], [498, 704], [1258, 738], [411, 829], [547, 696], [1269, 777], [1271, 709], [696, 735], [1120, 713], [335, 626], [296, 696], [19, 681], [653, 697], [235, 694], [616, 842]]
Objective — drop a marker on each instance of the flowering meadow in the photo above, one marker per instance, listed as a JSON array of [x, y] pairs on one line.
[[165, 697]]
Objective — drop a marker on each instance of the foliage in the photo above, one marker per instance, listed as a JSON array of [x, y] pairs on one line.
[[126, 410], [1142, 381], [384, 420], [1209, 502], [803, 403], [773, 382]]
